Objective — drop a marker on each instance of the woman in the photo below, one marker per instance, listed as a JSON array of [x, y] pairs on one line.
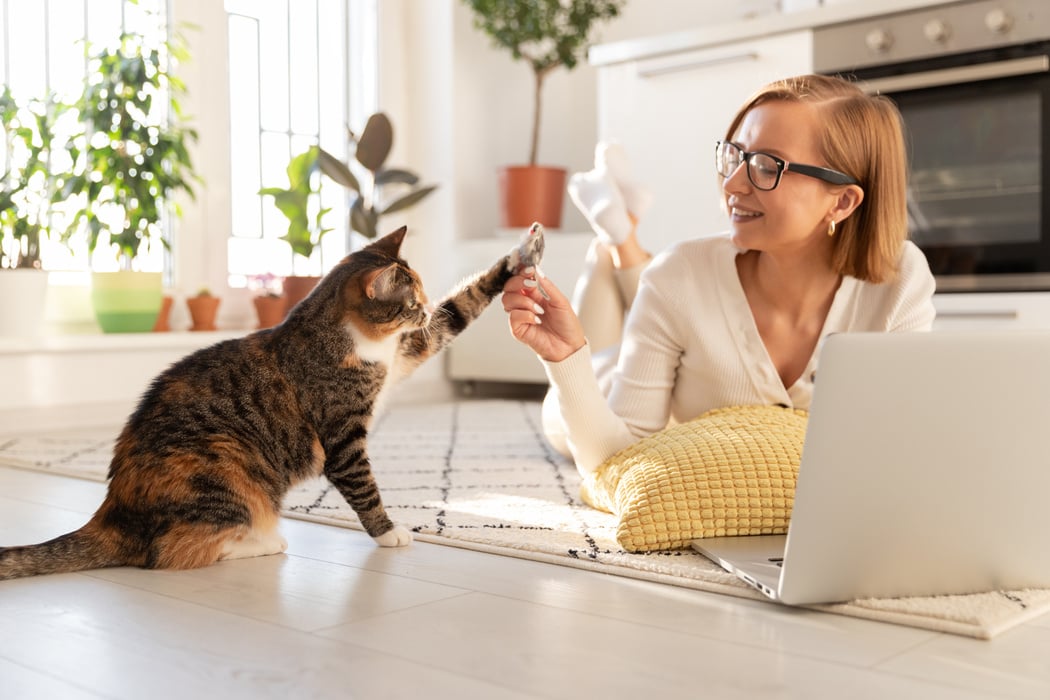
[[813, 179]]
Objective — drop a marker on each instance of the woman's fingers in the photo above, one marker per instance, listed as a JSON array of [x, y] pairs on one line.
[[522, 323]]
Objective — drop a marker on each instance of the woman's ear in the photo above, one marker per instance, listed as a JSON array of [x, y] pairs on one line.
[[849, 198]]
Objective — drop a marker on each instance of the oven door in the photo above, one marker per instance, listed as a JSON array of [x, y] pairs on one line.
[[976, 129]]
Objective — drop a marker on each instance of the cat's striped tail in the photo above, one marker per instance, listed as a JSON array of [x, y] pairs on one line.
[[75, 551]]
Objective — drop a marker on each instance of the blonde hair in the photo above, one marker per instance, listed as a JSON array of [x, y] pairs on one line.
[[862, 136]]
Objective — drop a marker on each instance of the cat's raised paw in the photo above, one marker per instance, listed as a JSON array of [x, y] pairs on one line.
[[529, 251], [399, 536]]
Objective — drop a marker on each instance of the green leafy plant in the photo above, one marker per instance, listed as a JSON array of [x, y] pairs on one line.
[[294, 202], [385, 190], [546, 34], [25, 187], [131, 158]]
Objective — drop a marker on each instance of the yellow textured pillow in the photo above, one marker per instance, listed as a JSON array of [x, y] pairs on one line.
[[732, 471]]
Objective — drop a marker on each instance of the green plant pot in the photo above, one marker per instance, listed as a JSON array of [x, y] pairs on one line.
[[126, 302]]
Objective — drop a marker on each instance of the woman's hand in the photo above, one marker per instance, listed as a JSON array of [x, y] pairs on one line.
[[544, 322]]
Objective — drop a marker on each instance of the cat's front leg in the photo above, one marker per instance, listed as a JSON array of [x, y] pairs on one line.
[[466, 302], [348, 469]]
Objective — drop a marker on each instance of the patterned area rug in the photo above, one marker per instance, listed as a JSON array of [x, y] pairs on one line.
[[477, 474]]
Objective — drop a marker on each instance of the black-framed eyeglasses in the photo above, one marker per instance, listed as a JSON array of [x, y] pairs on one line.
[[764, 170]]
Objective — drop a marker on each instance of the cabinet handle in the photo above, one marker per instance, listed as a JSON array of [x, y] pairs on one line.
[[697, 64], [991, 315]]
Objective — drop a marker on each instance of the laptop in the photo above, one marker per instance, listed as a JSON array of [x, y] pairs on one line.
[[925, 471]]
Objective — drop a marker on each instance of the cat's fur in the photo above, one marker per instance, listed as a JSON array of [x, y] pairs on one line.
[[201, 467]]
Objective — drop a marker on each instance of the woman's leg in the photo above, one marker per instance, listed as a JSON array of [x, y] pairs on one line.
[[608, 284]]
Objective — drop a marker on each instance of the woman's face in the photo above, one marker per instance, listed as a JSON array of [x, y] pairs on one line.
[[793, 217]]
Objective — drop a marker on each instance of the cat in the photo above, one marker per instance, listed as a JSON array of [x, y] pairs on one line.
[[202, 464]]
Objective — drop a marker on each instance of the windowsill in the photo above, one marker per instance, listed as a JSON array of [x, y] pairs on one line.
[[54, 371], [107, 342]]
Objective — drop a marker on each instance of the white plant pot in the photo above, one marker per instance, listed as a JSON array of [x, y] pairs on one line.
[[22, 297]]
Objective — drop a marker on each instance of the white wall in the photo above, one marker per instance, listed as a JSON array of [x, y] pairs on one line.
[[462, 107]]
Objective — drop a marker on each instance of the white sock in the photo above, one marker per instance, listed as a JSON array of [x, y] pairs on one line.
[[610, 156], [595, 194]]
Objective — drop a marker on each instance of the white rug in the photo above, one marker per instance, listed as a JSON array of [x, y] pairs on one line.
[[477, 474]]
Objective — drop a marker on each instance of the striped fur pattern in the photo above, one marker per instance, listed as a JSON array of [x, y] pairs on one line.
[[202, 465]]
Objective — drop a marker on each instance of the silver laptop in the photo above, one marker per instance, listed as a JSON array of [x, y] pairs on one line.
[[925, 471]]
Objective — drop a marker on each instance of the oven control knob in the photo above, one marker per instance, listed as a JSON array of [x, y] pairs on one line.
[[998, 21], [879, 40], [937, 31]]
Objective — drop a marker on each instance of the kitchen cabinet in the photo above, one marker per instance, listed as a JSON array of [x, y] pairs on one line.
[[992, 311], [669, 109]]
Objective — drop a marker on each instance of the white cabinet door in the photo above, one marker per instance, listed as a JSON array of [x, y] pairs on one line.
[[668, 111], [1004, 311]]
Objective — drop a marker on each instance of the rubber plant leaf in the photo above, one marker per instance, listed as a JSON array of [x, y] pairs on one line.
[[409, 199], [407, 177], [360, 220], [337, 170], [376, 140]]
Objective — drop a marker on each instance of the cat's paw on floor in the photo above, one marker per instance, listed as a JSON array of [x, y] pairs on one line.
[[399, 536]]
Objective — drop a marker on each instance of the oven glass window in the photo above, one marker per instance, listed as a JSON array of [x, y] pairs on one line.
[[975, 173]]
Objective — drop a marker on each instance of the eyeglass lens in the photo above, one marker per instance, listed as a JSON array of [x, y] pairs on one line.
[[762, 169]]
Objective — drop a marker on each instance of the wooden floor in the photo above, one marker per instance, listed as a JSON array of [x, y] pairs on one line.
[[337, 617]]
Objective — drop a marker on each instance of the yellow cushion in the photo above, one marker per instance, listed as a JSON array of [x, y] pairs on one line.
[[732, 471]]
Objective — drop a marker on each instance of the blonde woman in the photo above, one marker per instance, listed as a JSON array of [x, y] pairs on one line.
[[813, 179]]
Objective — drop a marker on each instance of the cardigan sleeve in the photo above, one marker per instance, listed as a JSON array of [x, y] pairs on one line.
[[639, 400], [594, 432], [912, 307]]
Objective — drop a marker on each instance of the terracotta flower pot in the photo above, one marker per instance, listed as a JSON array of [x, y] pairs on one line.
[[296, 288], [531, 193], [269, 310], [203, 310], [163, 324]]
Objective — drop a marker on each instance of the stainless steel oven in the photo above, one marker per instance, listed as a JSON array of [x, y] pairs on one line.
[[972, 81]]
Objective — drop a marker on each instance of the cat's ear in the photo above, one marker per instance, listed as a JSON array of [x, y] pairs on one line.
[[390, 244], [379, 282]]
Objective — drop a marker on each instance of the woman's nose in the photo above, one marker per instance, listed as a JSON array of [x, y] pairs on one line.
[[737, 181]]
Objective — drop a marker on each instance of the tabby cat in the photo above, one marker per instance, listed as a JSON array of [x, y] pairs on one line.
[[200, 468]]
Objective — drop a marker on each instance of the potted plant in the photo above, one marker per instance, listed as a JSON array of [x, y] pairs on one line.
[[24, 209], [204, 307], [130, 162], [385, 190], [546, 34], [269, 304], [163, 322], [377, 192], [305, 228]]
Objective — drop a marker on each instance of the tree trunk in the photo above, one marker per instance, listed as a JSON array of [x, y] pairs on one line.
[[537, 102]]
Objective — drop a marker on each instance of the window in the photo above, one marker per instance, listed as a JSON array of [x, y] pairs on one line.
[[44, 60], [289, 90], [300, 72]]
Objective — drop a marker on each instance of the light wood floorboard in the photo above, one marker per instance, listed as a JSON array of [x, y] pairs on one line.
[[338, 617]]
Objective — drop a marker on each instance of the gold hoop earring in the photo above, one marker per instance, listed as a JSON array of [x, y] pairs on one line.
[[831, 228]]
